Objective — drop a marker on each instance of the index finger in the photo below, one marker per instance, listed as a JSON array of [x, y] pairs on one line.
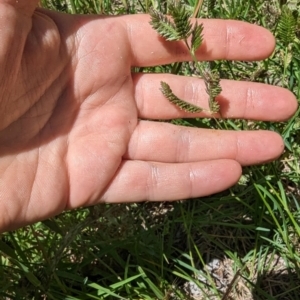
[[223, 39]]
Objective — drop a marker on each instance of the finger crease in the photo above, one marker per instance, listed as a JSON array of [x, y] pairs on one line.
[[183, 146], [228, 41], [152, 182], [249, 101], [191, 181]]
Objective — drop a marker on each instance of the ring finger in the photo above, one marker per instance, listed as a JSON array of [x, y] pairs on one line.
[[168, 143]]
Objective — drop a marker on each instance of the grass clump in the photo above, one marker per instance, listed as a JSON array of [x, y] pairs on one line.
[[240, 244]]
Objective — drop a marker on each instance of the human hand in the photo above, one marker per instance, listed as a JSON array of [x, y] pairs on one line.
[[71, 132]]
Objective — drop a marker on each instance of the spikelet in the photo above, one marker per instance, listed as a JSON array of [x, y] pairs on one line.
[[183, 105]]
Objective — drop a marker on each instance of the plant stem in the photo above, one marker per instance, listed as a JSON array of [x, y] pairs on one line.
[[197, 9]]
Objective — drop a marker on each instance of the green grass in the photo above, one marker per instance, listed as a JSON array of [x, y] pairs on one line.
[[240, 244]]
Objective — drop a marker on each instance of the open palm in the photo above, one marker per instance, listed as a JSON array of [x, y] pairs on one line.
[[71, 129]]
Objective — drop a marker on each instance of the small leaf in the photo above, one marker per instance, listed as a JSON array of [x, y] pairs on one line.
[[163, 26], [183, 105], [197, 37]]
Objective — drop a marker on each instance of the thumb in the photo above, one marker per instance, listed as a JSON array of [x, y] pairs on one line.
[[15, 24]]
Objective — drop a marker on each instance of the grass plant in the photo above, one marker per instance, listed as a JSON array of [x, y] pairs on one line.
[[243, 243]]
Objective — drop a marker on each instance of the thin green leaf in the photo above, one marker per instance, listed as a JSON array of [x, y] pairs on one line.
[[7, 250], [152, 286], [104, 291], [29, 275], [125, 282]]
